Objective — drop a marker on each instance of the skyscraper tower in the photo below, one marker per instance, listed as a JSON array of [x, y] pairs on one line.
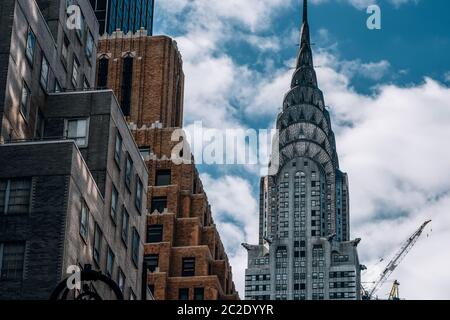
[[125, 15], [304, 251]]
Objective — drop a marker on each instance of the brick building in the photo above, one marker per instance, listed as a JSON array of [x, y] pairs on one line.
[[183, 252], [73, 185]]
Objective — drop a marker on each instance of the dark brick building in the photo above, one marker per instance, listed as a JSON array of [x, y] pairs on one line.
[[73, 185], [185, 256]]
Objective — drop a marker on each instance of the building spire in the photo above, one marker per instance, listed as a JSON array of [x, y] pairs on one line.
[[305, 11], [305, 73]]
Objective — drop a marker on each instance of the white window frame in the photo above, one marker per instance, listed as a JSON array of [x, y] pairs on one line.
[[66, 130]]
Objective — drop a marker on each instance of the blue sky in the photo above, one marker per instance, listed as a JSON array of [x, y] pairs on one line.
[[390, 103]]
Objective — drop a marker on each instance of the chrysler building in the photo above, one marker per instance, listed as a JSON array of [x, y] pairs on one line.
[[304, 250]]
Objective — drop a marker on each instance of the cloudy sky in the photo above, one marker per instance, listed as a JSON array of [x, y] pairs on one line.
[[388, 93]]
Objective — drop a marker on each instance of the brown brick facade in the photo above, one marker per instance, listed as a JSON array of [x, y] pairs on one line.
[[158, 79], [188, 226]]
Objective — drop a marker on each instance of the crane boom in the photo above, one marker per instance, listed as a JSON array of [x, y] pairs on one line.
[[399, 256]]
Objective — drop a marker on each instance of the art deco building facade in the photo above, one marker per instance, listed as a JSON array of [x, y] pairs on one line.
[[304, 250], [73, 185], [124, 15], [184, 254]]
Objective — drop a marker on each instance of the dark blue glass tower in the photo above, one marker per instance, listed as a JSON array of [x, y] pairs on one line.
[[126, 15]]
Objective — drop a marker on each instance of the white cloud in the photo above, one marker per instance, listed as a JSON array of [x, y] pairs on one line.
[[447, 76], [235, 212]]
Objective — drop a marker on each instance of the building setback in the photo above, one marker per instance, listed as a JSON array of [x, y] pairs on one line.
[[184, 254], [73, 185], [124, 15], [304, 250]]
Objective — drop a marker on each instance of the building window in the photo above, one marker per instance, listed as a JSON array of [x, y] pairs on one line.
[[125, 222], [86, 85], [15, 196], [152, 261], [163, 178], [75, 72], [118, 148], [110, 262], [127, 78], [199, 294], [57, 86], [89, 46], [44, 73], [12, 256], [188, 267], [145, 152], [114, 203], [159, 204], [102, 80], [155, 233], [65, 52], [183, 294], [135, 247], [97, 244], [84, 221], [25, 101], [31, 45], [121, 280], [80, 28], [139, 188], [128, 172], [40, 125], [77, 130]]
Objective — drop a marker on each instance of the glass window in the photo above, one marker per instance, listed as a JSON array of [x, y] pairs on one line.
[[12, 256], [159, 204], [40, 125], [199, 293], [155, 233], [121, 280], [102, 79], [84, 220], [139, 188], [57, 87], [128, 172], [44, 73], [86, 85], [163, 178], [145, 152], [127, 82], [110, 262], [80, 28], [97, 243], [183, 294], [135, 247], [25, 101], [114, 203], [31, 45], [15, 196], [125, 222], [65, 51], [152, 261], [188, 267], [77, 130], [89, 45], [75, 72], [118, 148]]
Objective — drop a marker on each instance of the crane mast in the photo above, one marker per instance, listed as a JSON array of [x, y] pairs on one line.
[[399, 256]]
